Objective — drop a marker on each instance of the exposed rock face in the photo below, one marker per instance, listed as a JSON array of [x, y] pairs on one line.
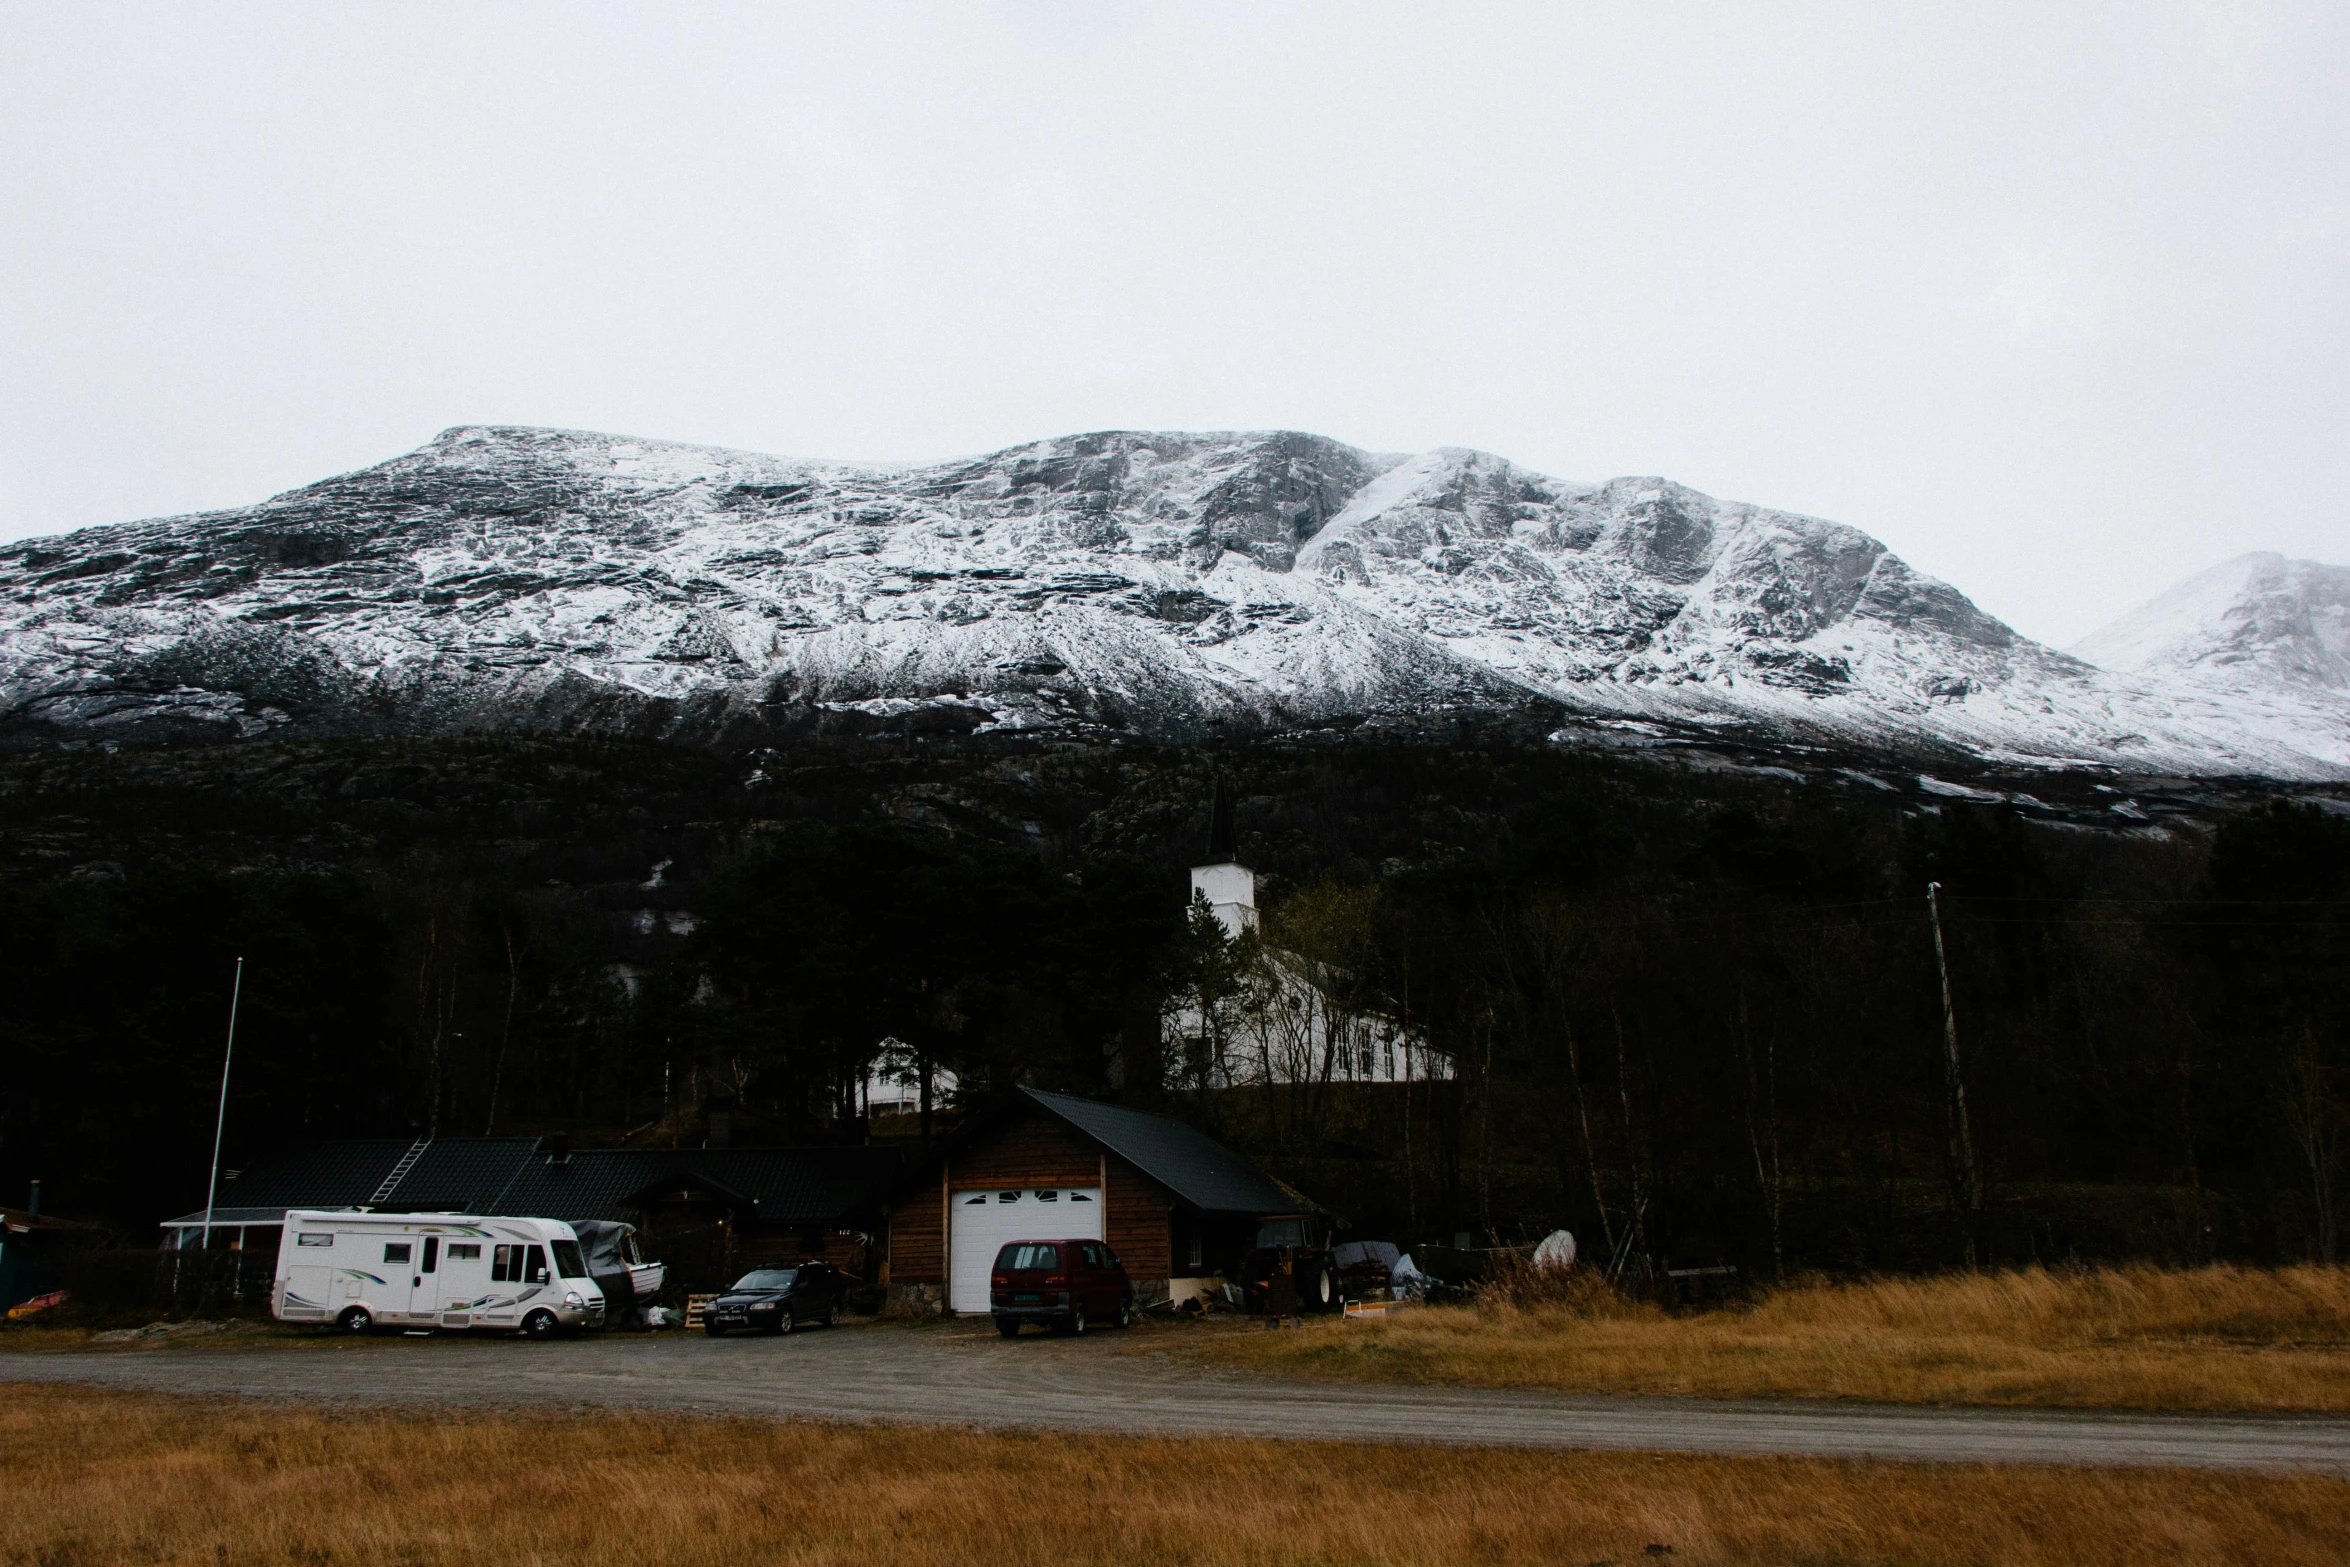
[[1163, 584]]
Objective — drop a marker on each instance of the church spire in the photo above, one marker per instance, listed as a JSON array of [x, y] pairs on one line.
[[1223, 840]]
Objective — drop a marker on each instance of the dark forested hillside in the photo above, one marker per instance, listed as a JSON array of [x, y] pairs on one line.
[[1695, 1016]]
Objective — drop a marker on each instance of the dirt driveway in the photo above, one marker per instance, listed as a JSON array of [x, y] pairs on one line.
[[965, 1376]]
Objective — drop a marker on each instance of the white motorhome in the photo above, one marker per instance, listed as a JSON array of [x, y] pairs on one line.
[[434, 1270]]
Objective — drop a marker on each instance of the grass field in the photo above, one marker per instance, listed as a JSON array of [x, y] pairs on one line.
[[98, 1477], [2218, 1338]]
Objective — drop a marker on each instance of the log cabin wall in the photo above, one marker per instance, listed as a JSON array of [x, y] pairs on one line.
[[1136, 1226], [1025, 1151]]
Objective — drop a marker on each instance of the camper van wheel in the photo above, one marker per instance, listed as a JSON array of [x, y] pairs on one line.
[[355, 1319], [541, 1326]]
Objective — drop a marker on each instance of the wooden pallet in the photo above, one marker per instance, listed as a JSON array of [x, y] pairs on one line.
[[693, 1308]]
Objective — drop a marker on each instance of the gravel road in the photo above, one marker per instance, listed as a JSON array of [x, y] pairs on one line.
[[955, 1376]]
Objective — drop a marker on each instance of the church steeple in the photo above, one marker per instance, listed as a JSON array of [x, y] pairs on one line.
[[1223, 840], [1229, 886]]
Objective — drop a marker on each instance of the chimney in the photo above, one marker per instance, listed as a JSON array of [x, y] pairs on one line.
[[33, 1206]]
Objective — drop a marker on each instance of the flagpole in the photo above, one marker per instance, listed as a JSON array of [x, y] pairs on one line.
[[220, 1124]]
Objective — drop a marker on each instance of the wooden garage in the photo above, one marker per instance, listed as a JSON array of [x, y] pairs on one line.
[[1174, 1204]]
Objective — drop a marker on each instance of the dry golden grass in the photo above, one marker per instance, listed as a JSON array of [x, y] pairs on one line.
[[2218, 1338], [94, 1477]]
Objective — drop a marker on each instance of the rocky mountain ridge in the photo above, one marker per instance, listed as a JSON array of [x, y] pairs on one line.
[[1170, 586]]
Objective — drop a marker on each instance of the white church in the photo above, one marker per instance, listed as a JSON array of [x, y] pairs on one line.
[[1281, 1027]]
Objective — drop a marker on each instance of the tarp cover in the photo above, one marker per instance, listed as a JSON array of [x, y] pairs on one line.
[[604, 1242], [1353, 1254], [1556, 1251]]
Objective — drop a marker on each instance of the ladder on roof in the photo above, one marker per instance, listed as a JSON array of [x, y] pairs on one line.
[[400, 1170]]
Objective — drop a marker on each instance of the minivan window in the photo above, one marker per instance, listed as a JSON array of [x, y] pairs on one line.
[[767, 1279], [1028, 1255], [568, 1261]]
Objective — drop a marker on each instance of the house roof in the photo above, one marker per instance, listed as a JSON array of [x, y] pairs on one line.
[[785, 1186], [1201, 1172]]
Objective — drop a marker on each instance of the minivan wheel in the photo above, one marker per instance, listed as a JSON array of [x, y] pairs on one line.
[[1009, 1327], [540, 1326], [1125, 1313], [1074, 1323], [355, 1319]]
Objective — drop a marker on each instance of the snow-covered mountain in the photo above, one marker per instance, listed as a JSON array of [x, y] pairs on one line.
[[2267, 636], [1171, 585]]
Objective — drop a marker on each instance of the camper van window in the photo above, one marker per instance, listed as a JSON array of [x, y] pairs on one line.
[[465, 1251], [535, 1271], [506, 1265], [395, 1251], [568, 1261], [432, 1253], [314, 1240]]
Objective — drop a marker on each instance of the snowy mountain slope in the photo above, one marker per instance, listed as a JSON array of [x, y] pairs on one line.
[[1166, 584], [2266, 636]]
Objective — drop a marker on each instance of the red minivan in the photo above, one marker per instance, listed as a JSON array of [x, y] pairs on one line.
[[1063, 1284]]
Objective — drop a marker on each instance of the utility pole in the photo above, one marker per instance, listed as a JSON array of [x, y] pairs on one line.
[[220, 1124], [1961, 1135]]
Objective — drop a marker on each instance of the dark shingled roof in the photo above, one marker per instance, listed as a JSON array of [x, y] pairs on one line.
[[786, 1186], [1186, 1161], [324, 1175], [803, 1186]]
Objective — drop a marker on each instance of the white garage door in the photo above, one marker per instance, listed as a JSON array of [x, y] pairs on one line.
[[980, 1223]]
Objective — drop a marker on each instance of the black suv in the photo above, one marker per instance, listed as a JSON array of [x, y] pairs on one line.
[[775, 1300]]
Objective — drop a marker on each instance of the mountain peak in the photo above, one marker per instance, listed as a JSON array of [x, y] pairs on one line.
[[2286, 619]]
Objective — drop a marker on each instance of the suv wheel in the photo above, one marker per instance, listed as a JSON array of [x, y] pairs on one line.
[[541, 1326], [355, 1319], [1009, 1327], [783, 1321], [830, 1317]]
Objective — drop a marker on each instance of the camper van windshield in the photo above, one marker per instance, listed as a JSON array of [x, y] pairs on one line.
[[568, 1261]]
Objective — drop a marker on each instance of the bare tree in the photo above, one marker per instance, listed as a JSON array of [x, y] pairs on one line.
[[2315, 1113]]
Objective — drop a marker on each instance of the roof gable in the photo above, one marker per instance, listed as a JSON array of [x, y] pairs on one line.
[[1188, 1162]]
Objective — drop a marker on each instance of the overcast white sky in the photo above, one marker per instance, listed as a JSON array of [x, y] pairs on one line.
[[2053, 299]]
